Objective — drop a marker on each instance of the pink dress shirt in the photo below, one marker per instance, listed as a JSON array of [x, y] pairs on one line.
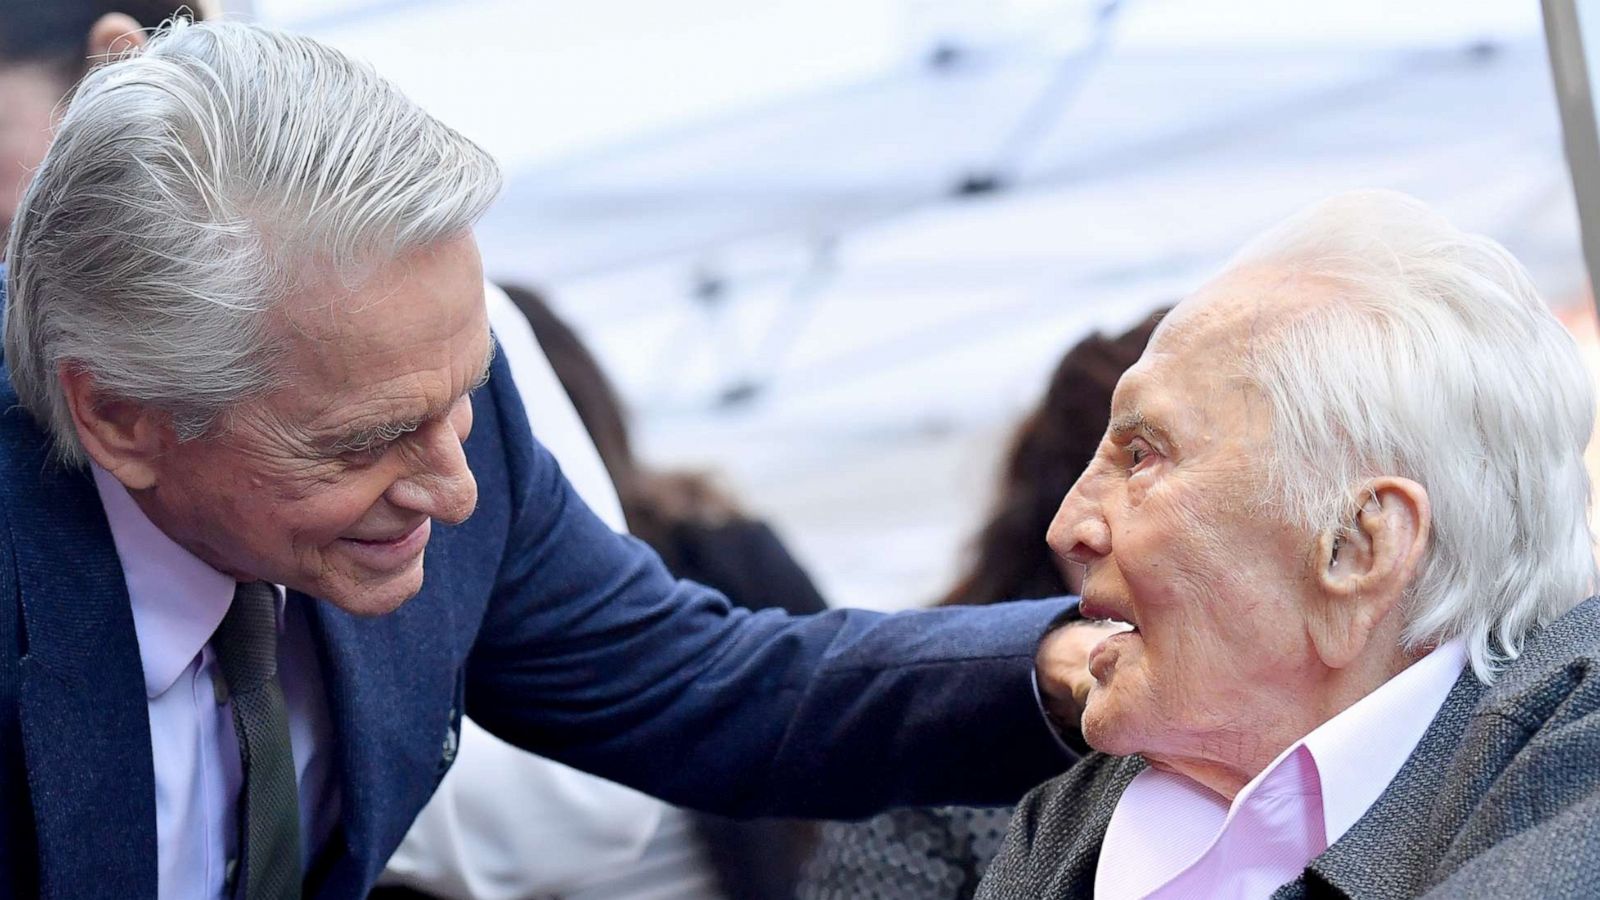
[[178, 602], [1170, 838]]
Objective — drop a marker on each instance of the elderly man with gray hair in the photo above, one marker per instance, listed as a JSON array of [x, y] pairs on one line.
[[1342, 508], [272, 520]]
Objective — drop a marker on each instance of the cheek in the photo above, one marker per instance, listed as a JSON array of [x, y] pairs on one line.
[[1190, 541], [1215, 608], [1138, 488], [1166, 554], [309, 508], [1182, 574], [331, 512]]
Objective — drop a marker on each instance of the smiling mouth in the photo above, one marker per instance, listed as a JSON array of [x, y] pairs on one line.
[[389, 553], [383, 542]]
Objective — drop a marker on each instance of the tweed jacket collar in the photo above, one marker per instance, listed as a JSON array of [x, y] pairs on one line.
[[1497, 800], [1347, 867], [1054, 846]]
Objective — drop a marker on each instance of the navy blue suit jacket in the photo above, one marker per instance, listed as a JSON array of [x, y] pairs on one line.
[[549, 629]]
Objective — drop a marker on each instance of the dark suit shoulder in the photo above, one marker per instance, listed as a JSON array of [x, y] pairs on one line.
[[1525, 782], [1053, 845], [24, 455], [1554, 680], [1097, 780], [1552, 689], [17, 842]]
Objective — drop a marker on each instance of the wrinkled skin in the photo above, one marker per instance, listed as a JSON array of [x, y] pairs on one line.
[[1221, 672], [272, 496]]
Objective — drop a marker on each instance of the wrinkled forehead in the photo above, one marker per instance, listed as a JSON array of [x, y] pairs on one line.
[[1236, 306], [1226, 317], [1195, 368], [422, 304]]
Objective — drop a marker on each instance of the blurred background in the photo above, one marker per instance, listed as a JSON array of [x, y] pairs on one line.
[[831, 249]]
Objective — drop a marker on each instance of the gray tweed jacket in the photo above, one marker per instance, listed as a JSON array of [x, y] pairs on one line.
[[1500, 799]]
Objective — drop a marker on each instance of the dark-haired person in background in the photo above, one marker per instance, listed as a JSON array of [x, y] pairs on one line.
[[940, 853], [698, 527]]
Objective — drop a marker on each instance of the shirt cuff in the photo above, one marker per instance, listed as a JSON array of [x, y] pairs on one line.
[[1067, 616]]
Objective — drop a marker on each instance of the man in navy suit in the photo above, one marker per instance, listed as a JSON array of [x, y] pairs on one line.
[[248, 365]]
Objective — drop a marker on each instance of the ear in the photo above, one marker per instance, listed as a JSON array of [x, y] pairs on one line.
[[113, 35], [124, 437], [1362, 571]]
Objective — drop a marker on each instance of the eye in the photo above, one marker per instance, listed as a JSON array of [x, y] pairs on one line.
[[367, 454], [371, 446], [1139, 452]]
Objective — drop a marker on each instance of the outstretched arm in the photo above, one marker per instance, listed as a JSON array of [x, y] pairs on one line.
[[590, 653]]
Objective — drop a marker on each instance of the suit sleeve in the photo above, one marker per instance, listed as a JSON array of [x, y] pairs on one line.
[[592, 654]]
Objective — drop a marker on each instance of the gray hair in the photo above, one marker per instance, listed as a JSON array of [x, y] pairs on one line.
[[1438, 362], [194, 185]]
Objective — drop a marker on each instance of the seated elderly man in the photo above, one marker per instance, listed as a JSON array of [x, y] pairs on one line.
[[1342, 504]]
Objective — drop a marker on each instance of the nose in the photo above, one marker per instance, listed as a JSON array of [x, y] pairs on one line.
[[1079, 532], [441, 485]]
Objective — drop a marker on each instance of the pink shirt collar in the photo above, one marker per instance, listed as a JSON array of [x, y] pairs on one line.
[[1170, 837], [178, 601], [1360, 750]]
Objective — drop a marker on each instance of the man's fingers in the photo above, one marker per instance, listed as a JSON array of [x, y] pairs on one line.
[[1063, 666]]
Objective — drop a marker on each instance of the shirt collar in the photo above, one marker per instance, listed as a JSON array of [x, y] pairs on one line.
[[178, 600], [1360, 750]]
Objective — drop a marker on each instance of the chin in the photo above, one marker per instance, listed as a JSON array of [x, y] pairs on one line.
[[1104, 727], [377, 597]]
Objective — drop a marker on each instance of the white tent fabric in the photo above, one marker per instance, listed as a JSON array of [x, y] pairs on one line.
[[749, 209]]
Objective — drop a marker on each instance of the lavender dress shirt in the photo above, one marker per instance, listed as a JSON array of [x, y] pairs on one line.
[[178, 601], [1171, 838]]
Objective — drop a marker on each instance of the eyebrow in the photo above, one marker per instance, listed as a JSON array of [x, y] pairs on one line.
[[362, 439], [1130, 422]]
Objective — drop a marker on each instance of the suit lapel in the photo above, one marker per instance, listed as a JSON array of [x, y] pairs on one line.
[[391, 699], [1397, 828], [1079, 865], [1053, 847], [84, 717], [395, 682]]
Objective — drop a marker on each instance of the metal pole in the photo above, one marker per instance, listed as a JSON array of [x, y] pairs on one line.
[[1570, 72]]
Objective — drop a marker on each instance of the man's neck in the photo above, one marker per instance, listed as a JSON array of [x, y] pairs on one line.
[[1226, 761]]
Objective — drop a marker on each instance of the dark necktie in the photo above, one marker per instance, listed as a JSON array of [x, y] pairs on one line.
[[246, 644]]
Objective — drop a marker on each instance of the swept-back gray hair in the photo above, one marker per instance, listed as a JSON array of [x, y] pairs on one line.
[[1438, 362], [191, 187]]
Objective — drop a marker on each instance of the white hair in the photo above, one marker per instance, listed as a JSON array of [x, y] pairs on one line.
[[1438, 362], [191, 187]]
